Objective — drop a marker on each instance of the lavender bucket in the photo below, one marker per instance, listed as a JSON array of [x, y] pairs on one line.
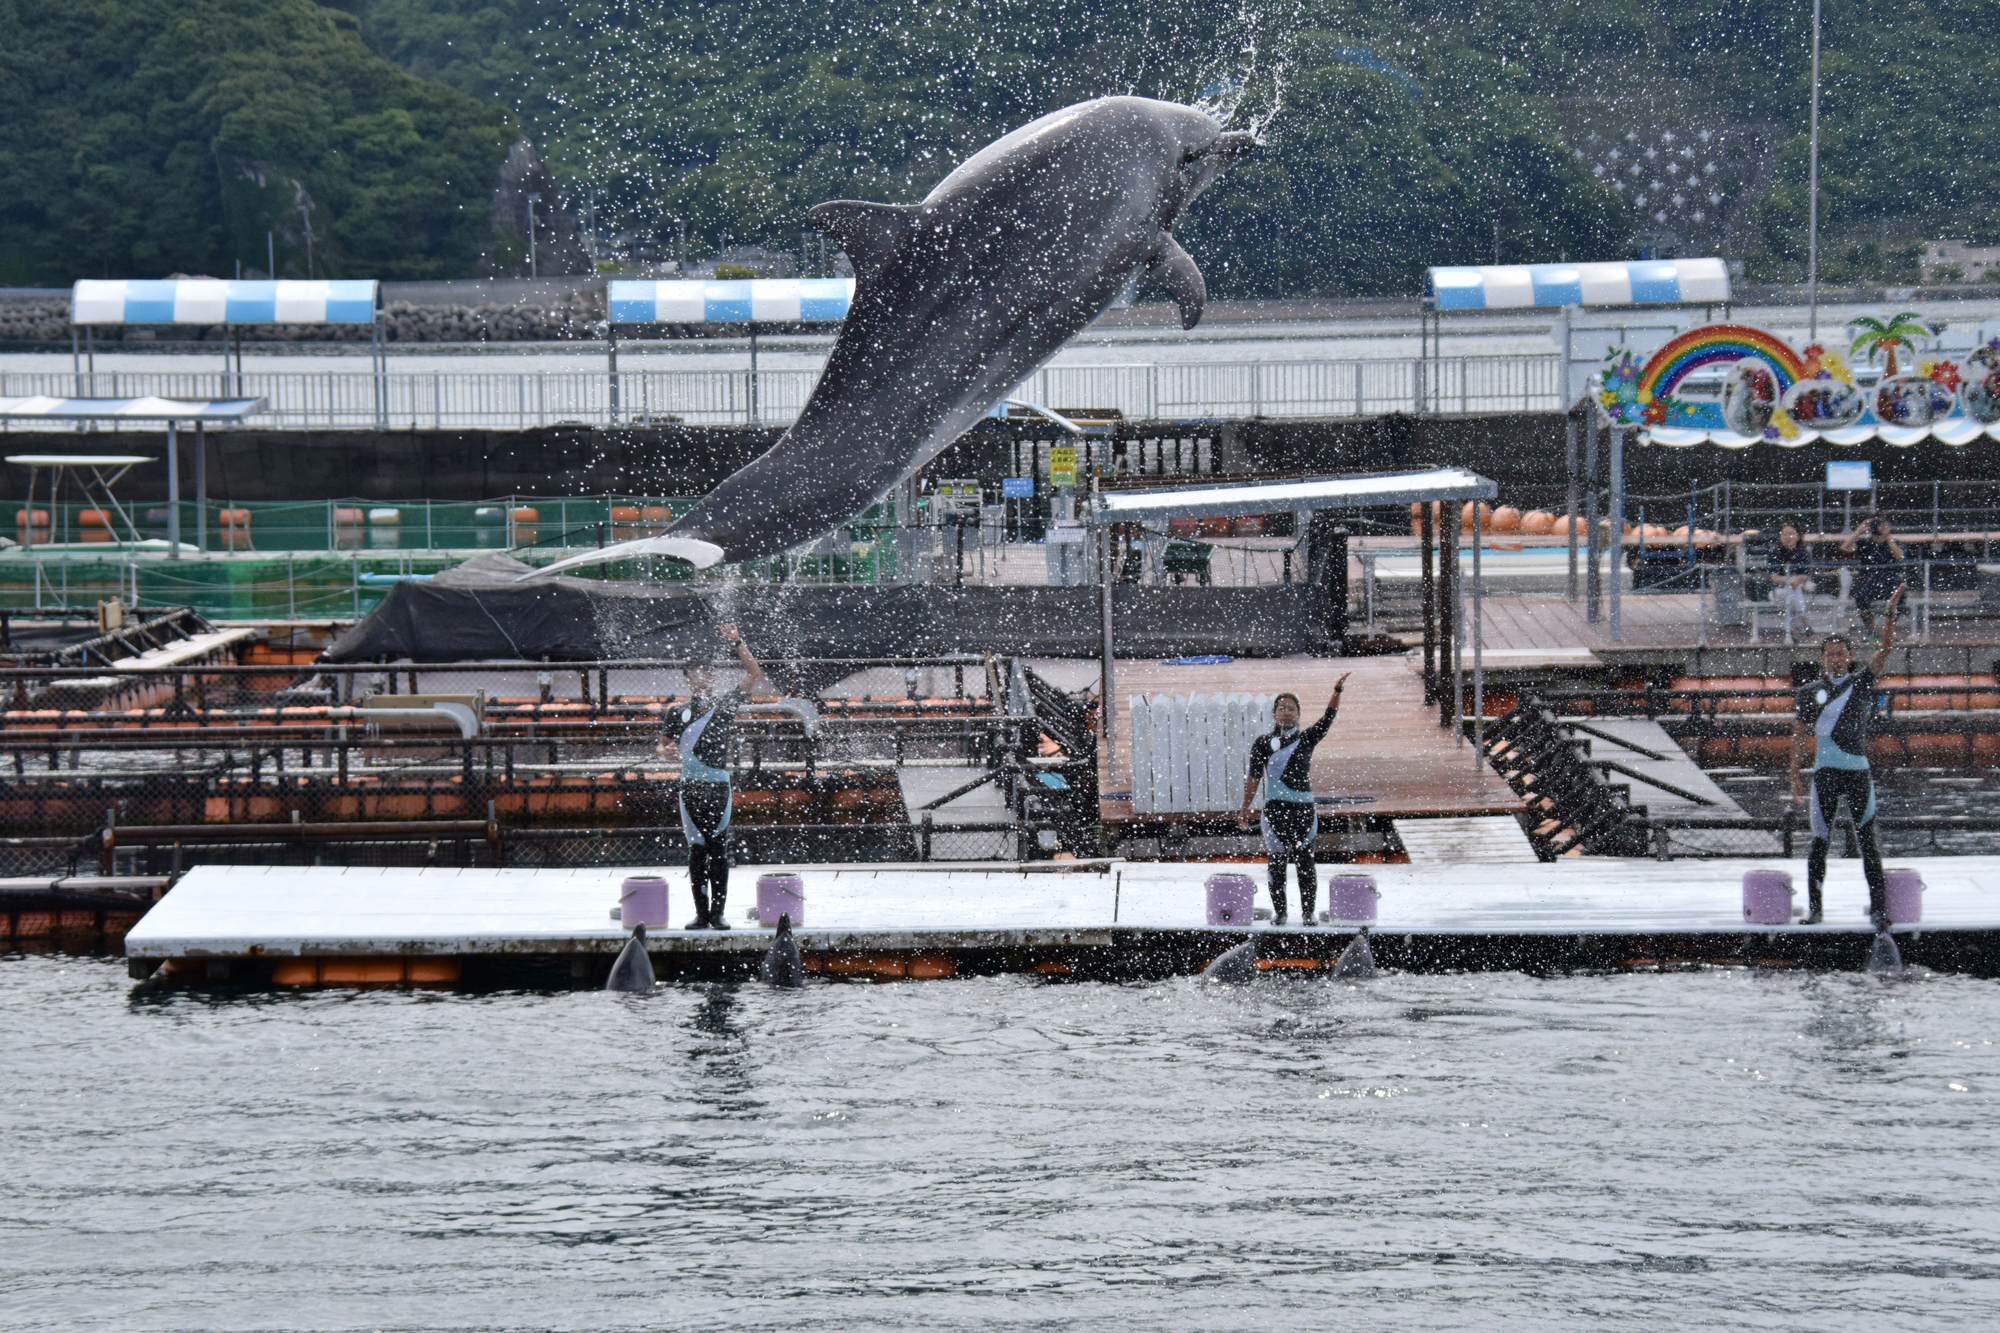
[[642, 901], [780, 895], [1906, 896], [1767, 897], [1351, 898], [1232, 900]]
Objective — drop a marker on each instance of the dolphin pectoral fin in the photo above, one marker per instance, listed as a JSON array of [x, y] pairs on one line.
[[869, 233], [696, 552], [1174, 270]]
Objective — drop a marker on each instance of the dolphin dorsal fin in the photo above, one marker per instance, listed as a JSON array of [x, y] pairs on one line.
[[869, 233], [1174, 270]]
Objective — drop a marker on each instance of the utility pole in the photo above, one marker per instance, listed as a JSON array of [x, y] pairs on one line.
[[305, 220], [533, 199], [1812, 188]]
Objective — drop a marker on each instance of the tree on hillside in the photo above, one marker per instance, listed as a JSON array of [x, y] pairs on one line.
[[157, 136]]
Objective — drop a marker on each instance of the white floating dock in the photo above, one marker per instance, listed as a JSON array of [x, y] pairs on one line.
[[1450, 915]]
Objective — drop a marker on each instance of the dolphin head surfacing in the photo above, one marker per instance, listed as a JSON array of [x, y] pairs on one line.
[[958, 299]]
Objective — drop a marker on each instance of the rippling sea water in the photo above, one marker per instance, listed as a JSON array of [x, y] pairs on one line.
[[1714, 1150]]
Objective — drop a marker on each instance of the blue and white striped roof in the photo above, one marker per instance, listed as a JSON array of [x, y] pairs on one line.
[[43, 408], [745, 301], [1525, 286], [222, 301]]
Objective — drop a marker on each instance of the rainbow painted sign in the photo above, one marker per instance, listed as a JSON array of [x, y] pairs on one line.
[[1759, 388]]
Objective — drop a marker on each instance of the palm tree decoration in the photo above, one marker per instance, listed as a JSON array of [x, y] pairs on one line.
[[1879, 337]]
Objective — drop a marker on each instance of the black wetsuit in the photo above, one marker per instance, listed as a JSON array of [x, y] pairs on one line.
[[1282, 760], [1876, 574], [1839, 711], [706, 799]]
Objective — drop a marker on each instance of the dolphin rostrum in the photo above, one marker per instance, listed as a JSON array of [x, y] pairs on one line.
[[634, 970], [782, 965], [957, 300]]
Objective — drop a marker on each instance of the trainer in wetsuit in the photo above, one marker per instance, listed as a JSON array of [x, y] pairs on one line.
[[705, 796], [1834, 712], [1282, 760]]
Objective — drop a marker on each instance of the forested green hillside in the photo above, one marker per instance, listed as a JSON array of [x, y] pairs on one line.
[[144, 137], [147, 136]]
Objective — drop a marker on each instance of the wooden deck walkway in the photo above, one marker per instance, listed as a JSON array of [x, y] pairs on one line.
[[1387, 745]]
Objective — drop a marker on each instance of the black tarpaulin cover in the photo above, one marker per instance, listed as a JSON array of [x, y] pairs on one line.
[[480, 611]]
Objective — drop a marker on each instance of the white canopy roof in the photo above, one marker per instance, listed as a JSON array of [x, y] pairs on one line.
[[1274, 497], [44, 408], [1958, 431]]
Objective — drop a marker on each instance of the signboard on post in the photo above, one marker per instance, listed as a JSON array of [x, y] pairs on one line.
[[1017, 488], [1062, 465], [1850, 476]]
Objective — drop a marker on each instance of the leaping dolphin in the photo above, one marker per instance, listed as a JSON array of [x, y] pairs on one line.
[[957, 300]]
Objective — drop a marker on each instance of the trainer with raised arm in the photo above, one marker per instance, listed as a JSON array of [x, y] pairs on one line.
[[1282, 760], [1833, 716], [703, 731]]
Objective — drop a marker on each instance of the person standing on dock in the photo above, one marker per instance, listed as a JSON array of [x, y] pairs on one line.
[[1282, 760], [1833, 716], [705, 793]]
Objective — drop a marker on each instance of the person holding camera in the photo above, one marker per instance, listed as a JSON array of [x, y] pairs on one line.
[[1877, 558]]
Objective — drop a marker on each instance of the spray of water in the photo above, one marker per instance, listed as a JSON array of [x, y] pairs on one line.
[[1245, 87]]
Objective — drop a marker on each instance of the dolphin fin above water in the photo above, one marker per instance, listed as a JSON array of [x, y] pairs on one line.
[[1237, 967], [633, 972], [1884, 958], [783, 966], [1356, 961]]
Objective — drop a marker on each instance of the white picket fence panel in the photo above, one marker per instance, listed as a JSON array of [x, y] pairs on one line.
[[1190, 753]]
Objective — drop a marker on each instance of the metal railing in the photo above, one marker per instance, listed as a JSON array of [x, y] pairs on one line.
[[517, 400]]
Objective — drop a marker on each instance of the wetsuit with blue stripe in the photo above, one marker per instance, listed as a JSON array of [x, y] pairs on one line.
[[1283, 761], [1839, 709], [706, 800]]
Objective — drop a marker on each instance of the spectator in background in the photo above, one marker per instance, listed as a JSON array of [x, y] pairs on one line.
[[1876, 557], [1791, 575]]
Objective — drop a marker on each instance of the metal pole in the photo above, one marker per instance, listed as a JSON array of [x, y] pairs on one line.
[[1478, 644], [611, 355], [533, 199], [1426, 537], [1109, 663], [1617, 533], [1593, 575], [1812, 191], [201, 485], [753, 375], [173, 492], [1569, 425]]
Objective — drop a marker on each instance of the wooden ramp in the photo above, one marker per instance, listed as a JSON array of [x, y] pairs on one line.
[[1386, 755], [1476, 840]]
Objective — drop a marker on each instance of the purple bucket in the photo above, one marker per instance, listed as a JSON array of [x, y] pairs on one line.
[[1351, 898], [1232, 900], [642, 901], [1906, 896], [1767, 897], [780, 895]]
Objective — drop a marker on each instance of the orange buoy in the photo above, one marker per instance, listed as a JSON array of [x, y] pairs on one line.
[[1536, 522], [1506, 519]]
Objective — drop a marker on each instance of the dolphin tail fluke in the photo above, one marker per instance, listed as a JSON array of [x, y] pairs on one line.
[[633, 972], [1884, 958], [1174, 269], [693, 550], [782, 965], [1234, 968], [1356, 961]]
